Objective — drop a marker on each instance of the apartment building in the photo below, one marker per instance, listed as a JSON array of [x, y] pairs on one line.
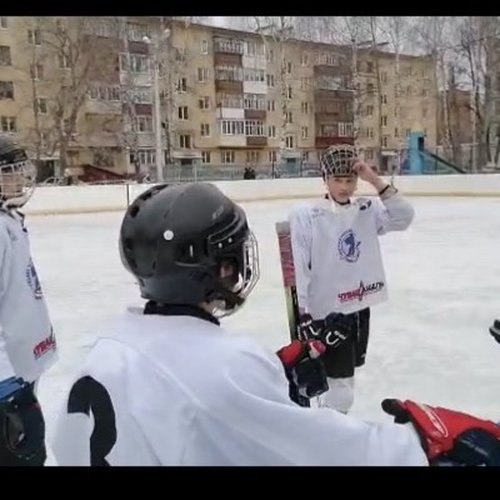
[[226, 97]]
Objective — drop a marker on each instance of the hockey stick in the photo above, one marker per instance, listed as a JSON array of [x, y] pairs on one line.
[[288, 273], [292, 303]]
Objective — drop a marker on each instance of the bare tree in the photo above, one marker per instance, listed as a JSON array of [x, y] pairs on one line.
[[275, 32], [73, 45]]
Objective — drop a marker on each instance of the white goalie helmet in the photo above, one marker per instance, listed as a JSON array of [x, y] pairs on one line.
[[17, 174], [338, 160]]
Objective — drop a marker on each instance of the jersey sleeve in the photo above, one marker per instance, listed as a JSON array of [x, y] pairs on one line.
[[393, 214], [300, 233], [6, 263], [283, 433]]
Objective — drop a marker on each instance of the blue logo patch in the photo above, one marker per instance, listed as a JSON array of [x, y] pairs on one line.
[[33, 281], [349, 246]]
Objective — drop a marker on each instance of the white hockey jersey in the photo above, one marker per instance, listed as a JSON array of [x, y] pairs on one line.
[[180, 390], [27, 341], [338, 263]]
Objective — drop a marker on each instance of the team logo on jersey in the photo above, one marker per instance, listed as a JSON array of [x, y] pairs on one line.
[[360, 292], [33, 281], [349, 246], [46, 345]]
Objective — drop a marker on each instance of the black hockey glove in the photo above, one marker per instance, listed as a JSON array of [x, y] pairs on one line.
[[308, 328], [338, 328], [304, 369], [22, 427], [495, 330]]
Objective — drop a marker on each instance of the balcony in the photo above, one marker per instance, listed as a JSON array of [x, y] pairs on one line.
[[230, 113], [321, 93], [255, 114], [323, 142], [232, 141], [331, 71], [256, 141], [228, 46], [229, 86], [223, 59]]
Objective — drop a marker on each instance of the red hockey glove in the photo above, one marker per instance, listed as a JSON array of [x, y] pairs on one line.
[[304, 370], [457, 436]]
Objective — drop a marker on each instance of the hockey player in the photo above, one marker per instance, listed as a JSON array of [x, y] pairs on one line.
[[338, 264], [170, 386], [27, 343]]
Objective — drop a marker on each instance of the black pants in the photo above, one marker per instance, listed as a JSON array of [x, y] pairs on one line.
[[342, 361]]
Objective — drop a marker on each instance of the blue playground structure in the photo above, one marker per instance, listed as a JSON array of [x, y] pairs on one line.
[[420, 161]]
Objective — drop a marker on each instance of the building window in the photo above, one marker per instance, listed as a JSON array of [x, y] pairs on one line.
[[136, 32], [6, 90], [289, 141], [383, 120], [103, 158], [204, 129], [5, 59], [144, 124], [289, 91], [254, 75], [183, 113], [369, 110], [203, 74], [8, 124], [396, 132], [305, 107], [270, 80], [142, 95], [205, 156], [254, 128], [407, 132], [272, 131], [41, 105], [305, 132], [229, 73], [185, 141], [34, 37], [227, 156], [36, 71], [289, 117], [232, 127], [271, 105], [272, 156], [369, 154], [383, 98], [204, 49], [181, 85], [253, 156], [270, 55], [345, 129], [304, 59], [370, 89], [383, 76], [204, 102], [385, 139], [369, 132], [289, 68], [3, 23], [146, 157], [254, 101], [305, 156]]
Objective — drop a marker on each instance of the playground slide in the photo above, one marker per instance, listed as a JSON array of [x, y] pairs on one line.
[[434, 164]]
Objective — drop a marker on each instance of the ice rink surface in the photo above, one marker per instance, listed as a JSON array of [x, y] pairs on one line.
[[430, 342]]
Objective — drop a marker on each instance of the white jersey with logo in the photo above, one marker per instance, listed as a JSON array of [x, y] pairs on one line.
[[27, 342], [180, 390], [338, 263]]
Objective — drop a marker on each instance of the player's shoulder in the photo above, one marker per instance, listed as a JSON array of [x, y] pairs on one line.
[[310, 208], [364, 203]]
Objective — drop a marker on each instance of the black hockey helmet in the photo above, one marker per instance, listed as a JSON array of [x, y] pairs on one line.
[[338, 160], [175, 238], [17, 173]]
